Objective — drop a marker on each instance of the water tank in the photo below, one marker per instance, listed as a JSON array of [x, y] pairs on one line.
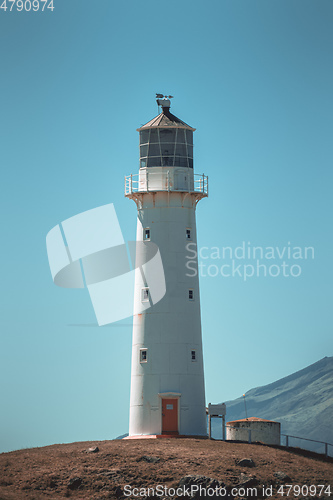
[[264, 431]]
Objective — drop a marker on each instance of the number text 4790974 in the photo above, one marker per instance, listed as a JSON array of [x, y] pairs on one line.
[[26, 6]]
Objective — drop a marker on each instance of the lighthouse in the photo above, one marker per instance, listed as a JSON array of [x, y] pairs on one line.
[[167, 377]]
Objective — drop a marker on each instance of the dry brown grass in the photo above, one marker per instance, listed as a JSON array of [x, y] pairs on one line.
[[40, 473]]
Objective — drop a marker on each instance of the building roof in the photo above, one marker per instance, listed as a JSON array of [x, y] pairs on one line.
[[165, 120], [252, 419]]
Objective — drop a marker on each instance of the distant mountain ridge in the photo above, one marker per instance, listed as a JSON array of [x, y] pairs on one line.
[[302, 402]]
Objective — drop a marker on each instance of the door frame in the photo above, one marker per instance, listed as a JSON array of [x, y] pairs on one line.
[[170, 395]]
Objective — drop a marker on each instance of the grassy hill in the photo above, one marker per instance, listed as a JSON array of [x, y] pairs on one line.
[[82, 471]]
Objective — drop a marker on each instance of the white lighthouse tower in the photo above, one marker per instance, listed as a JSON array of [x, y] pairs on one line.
[[167, 381]]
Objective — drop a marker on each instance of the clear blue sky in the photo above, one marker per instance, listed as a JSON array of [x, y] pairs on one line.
[[255, 78]]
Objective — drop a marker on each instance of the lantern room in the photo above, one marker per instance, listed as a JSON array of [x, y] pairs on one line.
[[166, 157], [166, 141]]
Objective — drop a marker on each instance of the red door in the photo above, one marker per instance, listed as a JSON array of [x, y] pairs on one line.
[[169, 416]]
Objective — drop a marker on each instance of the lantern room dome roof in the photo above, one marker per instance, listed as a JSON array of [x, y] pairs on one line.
[[166, 120]]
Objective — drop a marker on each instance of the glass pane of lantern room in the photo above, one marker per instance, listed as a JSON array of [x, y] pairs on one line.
[[144, 136], [190, 151], [181, 150], [167, 135], [181, 135], [167, 161], [180, 161], [189, 136], [154, 150], [143, 150], [154, 161], [153, 135], [167, 149]]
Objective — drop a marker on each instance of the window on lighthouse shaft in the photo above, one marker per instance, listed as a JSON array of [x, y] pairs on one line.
[[146, 234], [193, 356], [191, 294], [188, 233], [143, 355], [145, 295]]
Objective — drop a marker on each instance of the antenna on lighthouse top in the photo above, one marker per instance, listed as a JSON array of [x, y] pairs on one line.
[[164, 101]]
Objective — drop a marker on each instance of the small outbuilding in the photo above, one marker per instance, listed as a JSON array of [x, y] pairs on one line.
[[254, 429]]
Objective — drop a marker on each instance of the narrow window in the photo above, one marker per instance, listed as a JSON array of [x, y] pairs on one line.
[[188, 233], [146, 233], [193, 356], [191, 294], [143, 355], [144, 294]]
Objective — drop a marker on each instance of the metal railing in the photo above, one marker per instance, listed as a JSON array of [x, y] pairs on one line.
[[201, 183], [131, 184], [165, 181], [326, 445], [287, 436]]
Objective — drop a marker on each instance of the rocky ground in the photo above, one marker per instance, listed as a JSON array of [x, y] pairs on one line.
[[239, 470]]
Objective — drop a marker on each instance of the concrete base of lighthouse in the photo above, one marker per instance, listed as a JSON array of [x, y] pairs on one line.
[[168, 418], [163, 436]]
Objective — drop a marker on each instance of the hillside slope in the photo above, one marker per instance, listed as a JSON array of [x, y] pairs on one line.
[[81, 471], [302, 402]]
